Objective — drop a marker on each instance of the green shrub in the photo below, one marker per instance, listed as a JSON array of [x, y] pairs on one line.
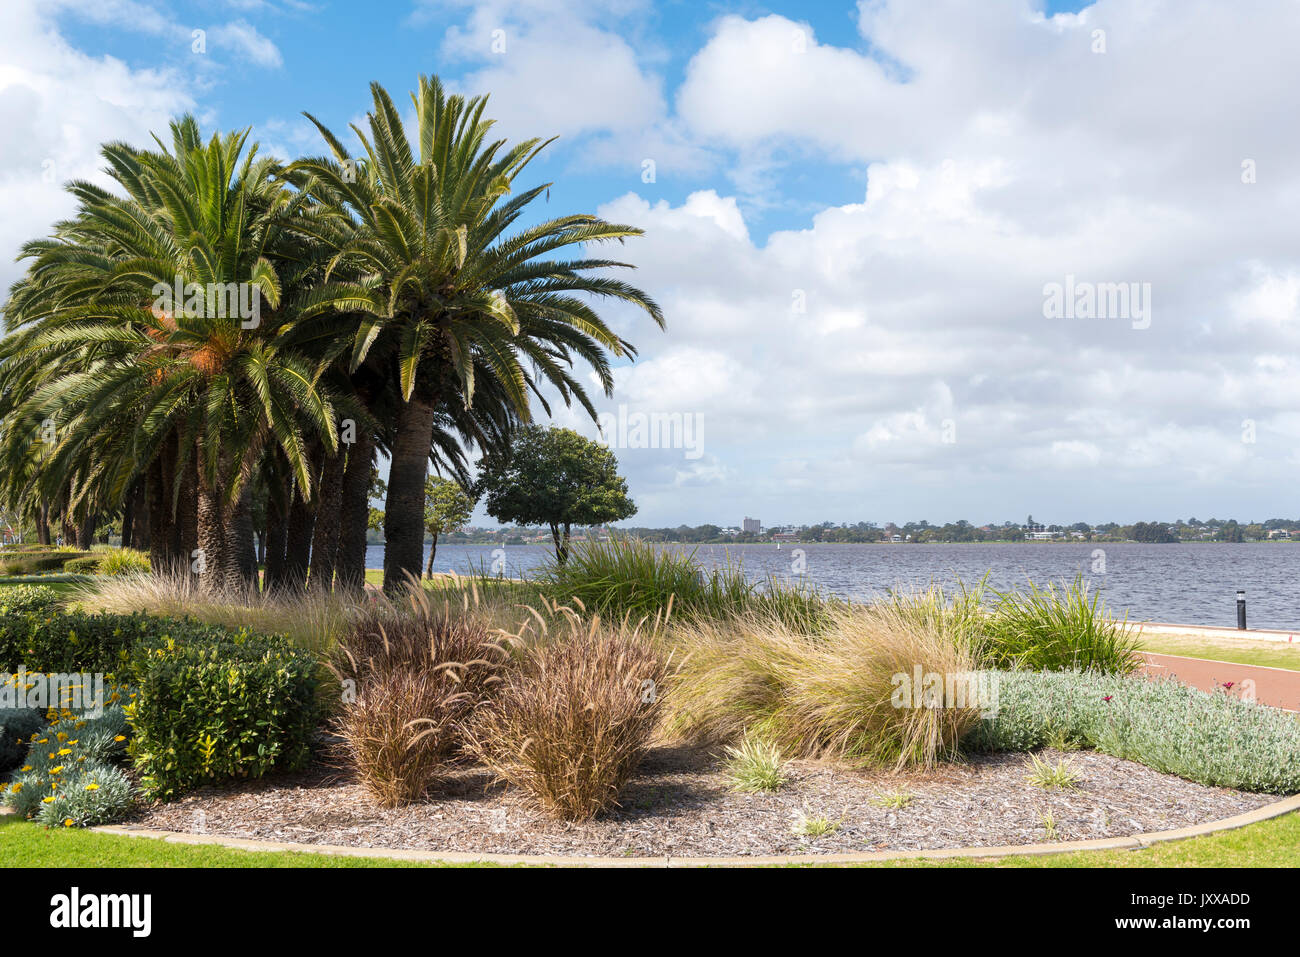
[[95, 793], [22, 599], [1213, 739], [66, 778], [25, 792], [122, 561], [17, 725], [630, 577], [88, 565], [236, 706], [1058, 629], [73, 641], [30, 563]]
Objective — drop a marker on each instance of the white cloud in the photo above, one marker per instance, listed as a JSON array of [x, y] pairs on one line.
[[1001, 154], [247, 43], [57, 106]]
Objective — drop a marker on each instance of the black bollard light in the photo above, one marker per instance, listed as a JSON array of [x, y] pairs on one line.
[[1241, 609]]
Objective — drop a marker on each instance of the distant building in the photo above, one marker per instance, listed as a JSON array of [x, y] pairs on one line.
[[751, 525], [786, 536]]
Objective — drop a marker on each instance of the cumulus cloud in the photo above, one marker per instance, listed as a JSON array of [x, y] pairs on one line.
[[57, 105], [1001, 154]]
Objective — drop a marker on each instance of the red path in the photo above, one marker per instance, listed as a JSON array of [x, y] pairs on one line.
[[1274, 686]]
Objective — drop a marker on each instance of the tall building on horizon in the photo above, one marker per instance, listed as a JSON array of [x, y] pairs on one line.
[[751, 525]]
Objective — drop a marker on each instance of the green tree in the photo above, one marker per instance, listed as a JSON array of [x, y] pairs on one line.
[[132, 374], [447, 508], [557, 478], [447, 297]]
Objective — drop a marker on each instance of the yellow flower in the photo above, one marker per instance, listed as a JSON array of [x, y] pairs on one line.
[[120, 737], [56, 770], [67, 822], [25, 767], [18, 786], [63, 751], [92, 786], [47, 800]]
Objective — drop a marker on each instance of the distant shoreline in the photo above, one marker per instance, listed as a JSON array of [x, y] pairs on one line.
[[991, 541]]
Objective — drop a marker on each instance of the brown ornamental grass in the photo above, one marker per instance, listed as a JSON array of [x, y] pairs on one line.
[[412, 679], [571, 723]]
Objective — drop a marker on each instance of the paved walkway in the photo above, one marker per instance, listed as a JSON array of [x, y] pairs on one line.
[[1273, 686]]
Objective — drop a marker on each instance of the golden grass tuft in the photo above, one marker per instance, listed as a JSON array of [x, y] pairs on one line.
[[312, 621], [829, 695]]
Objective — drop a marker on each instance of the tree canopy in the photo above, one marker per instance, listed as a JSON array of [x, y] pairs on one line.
[[554, 477]]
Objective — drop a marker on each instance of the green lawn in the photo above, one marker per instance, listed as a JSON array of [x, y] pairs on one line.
[[1274, 843], [1241, 651], [24, 844], [63, 584]]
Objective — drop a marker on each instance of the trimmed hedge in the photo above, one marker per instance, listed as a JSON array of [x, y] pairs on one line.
[[29, 563], [88, 565], [75, 641], [1214, 739], [22, 599], [213, 709], [209, 702]]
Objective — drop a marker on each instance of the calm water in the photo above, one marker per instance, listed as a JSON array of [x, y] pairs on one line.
[[1190, 584]]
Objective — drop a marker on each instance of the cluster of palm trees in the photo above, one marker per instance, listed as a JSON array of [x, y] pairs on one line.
[[218, 351]]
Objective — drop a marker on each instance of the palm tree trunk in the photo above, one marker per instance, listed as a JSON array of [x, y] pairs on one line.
[[140, 524], [43, 525], [276, 537], [162, 556], [241, 539], [212, 559], [297, 550], [404, 509], [128, 515], [187, 519], [433, 550], [325, 540], [351, 565], [86, 532]]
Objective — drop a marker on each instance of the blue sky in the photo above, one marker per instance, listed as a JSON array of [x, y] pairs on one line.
[[856, 214]]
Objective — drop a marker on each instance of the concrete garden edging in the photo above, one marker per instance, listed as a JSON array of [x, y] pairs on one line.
[[1132, 842]]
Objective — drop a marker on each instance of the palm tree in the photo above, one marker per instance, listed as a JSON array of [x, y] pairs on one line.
[[186, 384], [443, 294]]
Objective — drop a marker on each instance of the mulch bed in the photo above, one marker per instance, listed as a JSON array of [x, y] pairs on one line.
[[679, 804]]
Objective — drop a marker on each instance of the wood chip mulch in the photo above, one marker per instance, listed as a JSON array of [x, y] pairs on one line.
[[679, 804]]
